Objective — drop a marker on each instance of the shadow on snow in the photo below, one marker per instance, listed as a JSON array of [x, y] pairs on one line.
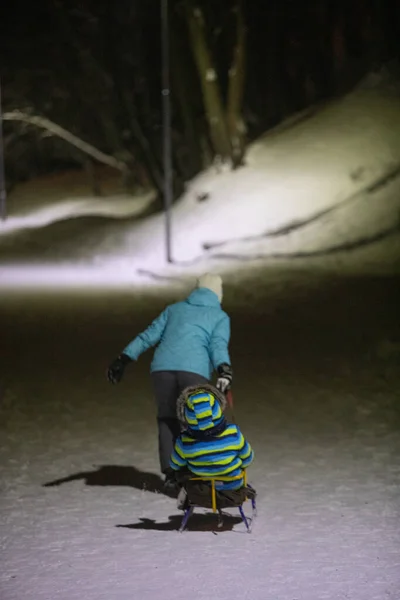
[[197, 522], [115, 475]]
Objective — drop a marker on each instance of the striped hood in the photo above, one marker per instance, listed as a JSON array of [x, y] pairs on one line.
[[216, 448], [200, 408]]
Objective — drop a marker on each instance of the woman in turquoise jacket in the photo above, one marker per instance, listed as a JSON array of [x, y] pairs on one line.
[[191, 339]]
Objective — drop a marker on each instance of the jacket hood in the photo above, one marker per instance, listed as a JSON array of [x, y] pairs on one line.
[[203, 297], [200, 408]]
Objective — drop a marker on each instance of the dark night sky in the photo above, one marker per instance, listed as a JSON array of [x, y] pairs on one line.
[[29, 30]]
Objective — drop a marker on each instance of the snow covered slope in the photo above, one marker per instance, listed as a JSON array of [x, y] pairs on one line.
[[324, 191]]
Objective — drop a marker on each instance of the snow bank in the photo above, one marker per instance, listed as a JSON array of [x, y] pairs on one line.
[[330, 181], [116, 207], [322, 187]]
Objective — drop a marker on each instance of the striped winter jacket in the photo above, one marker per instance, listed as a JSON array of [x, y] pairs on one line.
[[209, 446]]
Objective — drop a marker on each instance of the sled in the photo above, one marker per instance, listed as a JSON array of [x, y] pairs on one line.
[[210, 497]]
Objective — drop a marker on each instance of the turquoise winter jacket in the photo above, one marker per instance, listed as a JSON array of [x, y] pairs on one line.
[[192, 335]]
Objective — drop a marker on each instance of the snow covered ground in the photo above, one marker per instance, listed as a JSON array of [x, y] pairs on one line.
[[316, 393], [60, 196], [307, 238]]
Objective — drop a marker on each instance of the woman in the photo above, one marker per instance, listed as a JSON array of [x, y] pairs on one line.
[[192, 339]]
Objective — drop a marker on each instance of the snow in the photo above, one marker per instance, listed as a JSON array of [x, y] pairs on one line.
[[313, 395], [322, 192], [305, 235], [38, 214], [211, 75], [290, 176]]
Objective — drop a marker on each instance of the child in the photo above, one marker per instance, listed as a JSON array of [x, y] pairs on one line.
[[209, 446], [192, 339]]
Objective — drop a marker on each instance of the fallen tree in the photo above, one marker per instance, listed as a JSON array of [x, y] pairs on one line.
[[57, 130]]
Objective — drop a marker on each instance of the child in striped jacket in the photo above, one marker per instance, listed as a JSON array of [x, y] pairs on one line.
[[209, 446]]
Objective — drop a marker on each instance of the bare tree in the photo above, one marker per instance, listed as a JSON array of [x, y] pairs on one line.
[[237, 75], [210, 87], [226, 124], [54, 129], [186, 92], [110, 92]]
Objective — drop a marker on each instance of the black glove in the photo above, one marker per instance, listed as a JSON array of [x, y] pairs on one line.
[[224, 380], [116, 369]]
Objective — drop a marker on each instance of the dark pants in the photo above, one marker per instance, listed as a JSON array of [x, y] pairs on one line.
[[199, 492], [167, 386]]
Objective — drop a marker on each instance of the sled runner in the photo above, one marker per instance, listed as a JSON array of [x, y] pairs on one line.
[[201, 492]]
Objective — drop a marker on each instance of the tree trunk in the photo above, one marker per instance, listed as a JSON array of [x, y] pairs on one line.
[[97, 74], [237, 74], [326, 17], [184, 94], [92, 177], [339, 50], [144, 145], [144, 168], [209, 81], [273, 106]]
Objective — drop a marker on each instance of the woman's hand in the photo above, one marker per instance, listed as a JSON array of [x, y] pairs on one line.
[[224, 380], [116, 369]]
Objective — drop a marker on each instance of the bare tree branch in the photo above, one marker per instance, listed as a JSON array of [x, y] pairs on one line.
[[57, 130]]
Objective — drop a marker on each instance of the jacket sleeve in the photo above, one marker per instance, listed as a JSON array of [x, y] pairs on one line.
[[219, 342], [246, 453], [148, 338], [177, 460]]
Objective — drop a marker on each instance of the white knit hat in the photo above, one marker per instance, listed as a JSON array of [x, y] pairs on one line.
[[211, 282]]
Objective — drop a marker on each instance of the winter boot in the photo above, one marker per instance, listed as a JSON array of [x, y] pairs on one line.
[[171, 487]]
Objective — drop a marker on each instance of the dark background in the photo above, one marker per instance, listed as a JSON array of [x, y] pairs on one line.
[[95, 69]]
